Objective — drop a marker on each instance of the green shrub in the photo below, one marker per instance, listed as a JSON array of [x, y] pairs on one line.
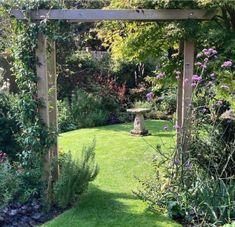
[[9, 184], [88, 110], [65, 120], [75, 176], [142, 104], [18, 184], [188, 192]]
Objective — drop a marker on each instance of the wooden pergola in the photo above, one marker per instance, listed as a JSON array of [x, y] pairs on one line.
[[46, 69]]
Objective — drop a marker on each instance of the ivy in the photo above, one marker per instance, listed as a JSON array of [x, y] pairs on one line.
[[36, 138]]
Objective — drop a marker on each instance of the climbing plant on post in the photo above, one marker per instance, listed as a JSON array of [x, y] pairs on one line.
[[35, 69]]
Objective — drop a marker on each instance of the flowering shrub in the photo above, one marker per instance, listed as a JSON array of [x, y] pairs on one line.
[[197, 185]]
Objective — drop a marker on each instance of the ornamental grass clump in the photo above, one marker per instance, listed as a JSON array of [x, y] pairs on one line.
[[75, 176]]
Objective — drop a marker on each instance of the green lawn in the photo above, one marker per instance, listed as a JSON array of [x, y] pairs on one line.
[[110, 201]]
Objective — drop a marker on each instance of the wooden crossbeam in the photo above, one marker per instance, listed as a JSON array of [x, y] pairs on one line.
[[90, 15]]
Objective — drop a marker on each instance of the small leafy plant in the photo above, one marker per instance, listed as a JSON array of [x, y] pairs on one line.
[[75, 176]]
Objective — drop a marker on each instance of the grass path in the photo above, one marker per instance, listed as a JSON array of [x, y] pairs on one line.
[[110, 201]]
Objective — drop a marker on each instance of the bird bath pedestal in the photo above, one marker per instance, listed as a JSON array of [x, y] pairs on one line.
[[139, 129]]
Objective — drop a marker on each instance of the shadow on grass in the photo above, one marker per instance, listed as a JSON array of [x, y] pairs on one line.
[[102, 208]]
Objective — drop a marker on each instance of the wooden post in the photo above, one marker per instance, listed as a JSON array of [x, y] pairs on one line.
[[179, 111], [52, 84], [41, 55], [187, 91]]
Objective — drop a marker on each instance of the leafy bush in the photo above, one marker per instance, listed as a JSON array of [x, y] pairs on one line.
[[190, 193], [87, 110], [213, 151], [75, 176], [9, 184], [65, 120]]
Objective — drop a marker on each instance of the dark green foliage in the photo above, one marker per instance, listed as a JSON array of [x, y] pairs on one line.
[[18, 184], [9, 184], [75, 176], [78, 69], [88, 110], [65, 120], [9, 129], [215, 152]]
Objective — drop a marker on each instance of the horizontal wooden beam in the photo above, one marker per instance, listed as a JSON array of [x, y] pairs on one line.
[[90, 15]]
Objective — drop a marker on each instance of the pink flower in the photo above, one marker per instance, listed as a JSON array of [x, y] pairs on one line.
[[198, 64], [199, 55], [160, 76], [186, 80], [227, 64], [214, 52], [209, 52], [193, 84], [196, 78], [150, 96]]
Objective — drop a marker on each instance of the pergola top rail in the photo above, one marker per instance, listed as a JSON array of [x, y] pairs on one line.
[[90, 15]]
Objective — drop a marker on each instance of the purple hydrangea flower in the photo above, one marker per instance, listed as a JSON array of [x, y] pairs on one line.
[[227, 64]]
